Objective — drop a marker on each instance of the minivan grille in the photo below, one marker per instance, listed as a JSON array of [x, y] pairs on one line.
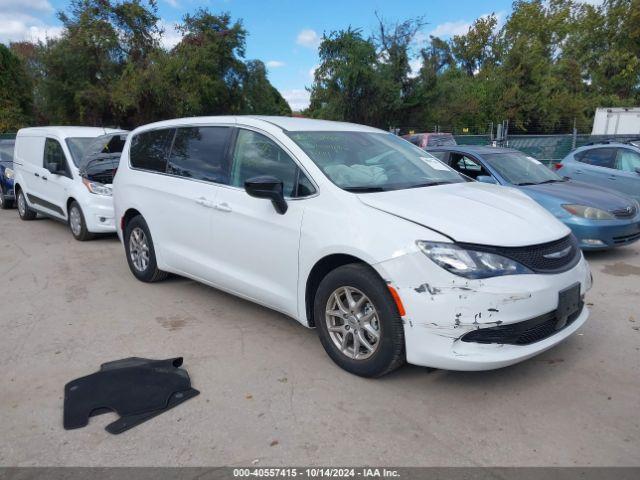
[[552, 257], [522, 333]]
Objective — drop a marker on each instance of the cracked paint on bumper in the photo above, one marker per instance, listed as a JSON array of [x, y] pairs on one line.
[[442, 307]]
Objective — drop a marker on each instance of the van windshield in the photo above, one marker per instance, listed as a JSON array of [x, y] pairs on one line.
[[373, 162], [77, 147]]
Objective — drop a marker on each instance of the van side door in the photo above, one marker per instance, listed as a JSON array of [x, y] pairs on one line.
[[257, 247], [56, 178]]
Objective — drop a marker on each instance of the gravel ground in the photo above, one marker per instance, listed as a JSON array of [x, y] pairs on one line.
[[271, 396]]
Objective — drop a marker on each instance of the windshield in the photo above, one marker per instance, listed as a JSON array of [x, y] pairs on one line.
[[77, 147], [6, 150], [372, 162], [520, 169]]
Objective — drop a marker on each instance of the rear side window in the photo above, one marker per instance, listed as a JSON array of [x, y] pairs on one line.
[[200, 153], [149, 150], [598, 157], [628, 160]]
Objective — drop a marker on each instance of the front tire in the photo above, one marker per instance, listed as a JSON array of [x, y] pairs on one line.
[[77, 224], [5, 204], [358, 321], [24, 211], [141, 255]]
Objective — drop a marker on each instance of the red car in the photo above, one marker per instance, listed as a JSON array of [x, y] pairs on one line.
[[424, 140]]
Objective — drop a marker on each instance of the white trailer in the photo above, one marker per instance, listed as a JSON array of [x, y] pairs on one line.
[[616, 121]]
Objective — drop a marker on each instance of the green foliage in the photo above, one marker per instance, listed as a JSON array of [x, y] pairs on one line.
[[552, 63], [16, 97], [108, 69]]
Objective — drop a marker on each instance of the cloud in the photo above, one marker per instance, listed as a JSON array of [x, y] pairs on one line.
[[308, 38], [449, 29], [25, 28], [298, 99], [415, 65], [27, 6], [312, 72], [275, 64], [173, 3], [171, 36]]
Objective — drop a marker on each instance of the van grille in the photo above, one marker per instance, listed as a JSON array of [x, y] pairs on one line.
[[552, 257], [522, 333]]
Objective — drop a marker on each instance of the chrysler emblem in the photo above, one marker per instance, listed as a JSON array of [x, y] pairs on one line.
[[559, 254]]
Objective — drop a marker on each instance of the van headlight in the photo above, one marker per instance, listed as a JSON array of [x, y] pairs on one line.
[[8, 173], [591, 213], [470, 263], [97, 188]]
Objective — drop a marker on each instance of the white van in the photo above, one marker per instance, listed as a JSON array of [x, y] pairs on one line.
[[389, 253], [48, 179]]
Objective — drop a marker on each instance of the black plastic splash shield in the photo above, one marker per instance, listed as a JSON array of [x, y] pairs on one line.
[[137, 389]]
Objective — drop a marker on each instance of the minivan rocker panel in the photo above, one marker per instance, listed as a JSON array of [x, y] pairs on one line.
[[389, 254]]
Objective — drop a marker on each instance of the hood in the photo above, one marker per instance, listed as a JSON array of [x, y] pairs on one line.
[[472, 212], [578, 193]]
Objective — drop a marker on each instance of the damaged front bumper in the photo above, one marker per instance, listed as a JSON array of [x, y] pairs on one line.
[[442, 308]]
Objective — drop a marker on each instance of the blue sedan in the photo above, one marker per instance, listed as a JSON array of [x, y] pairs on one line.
[[600, 218], [6, 173]]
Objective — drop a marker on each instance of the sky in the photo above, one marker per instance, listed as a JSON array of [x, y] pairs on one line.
[[284, 34]]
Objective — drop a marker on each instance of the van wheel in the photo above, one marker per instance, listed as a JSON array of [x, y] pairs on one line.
[[77, 224], [24, 211], [4, 203], [141, 255], [358, 321]]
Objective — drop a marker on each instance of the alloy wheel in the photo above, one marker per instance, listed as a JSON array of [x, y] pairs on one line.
[[22, 205], [353, 323], [75, 221], [139, 249]]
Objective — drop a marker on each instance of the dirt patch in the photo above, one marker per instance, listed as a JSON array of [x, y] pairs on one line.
[[173, 322], [621, 269]]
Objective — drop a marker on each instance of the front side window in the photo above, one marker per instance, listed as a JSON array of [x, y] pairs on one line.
[[467, 165], [598, 157], [520, 169], [627, 160], [372, 161], [54, 158], [6, 151], [256, 155], [149, 150], [199, 153]]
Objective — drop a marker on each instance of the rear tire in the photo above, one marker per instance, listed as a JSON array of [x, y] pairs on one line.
[[358, 321], [141, 255], [77, 224], [24, 211]]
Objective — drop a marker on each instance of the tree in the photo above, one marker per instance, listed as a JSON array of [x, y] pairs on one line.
[[16, 97], [260, 97], [346, 83]]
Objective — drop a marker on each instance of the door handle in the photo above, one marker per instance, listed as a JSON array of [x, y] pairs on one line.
[[204, 202], [223, 207], [578, 171], [37, 174], [44, 178]]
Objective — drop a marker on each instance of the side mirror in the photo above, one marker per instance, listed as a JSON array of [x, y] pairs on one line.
[[638, 170], [268, 187], [486, 179]]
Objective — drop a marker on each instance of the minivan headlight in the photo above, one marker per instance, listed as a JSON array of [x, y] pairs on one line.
[[8, 173], [591, 213], [97, 188], [470, 263]]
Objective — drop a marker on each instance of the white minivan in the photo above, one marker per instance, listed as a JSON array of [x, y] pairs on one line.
[[49, 180], [391, 255]]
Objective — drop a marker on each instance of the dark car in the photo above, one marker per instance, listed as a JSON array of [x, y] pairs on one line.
[[600, 218], [6, 173], [101, 158]]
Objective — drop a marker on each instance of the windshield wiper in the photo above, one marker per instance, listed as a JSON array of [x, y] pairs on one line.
[[522, 184], [364, 189], [428, 184]]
